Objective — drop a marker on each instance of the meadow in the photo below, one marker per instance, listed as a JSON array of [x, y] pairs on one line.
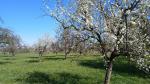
[[28, 68]]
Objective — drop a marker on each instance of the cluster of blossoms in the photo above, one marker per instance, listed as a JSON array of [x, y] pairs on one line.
[[144, 64]]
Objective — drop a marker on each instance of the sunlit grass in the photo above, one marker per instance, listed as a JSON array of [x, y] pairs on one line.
[[53, 69]]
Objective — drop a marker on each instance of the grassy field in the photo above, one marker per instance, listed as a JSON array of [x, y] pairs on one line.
[[53, 69]]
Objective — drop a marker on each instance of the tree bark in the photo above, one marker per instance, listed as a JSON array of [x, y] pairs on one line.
[[108, 72], [65, 55]]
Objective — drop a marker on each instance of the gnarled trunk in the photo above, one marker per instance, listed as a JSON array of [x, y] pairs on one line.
[[108, 72]]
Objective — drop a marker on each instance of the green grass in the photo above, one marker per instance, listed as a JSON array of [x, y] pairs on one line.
[[53, 69]]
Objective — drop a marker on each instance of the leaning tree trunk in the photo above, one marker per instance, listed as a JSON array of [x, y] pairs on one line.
[[108, 72]]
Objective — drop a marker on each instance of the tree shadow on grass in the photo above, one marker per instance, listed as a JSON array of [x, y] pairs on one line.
[[36, 57], [51, 58], [119, 67], [92, 64], [6, 56], [9, 59], [67, 78], [57, 78], [58, 57], [33, 57], [43, 58], [2, 63], [33, 61], [39, 78]]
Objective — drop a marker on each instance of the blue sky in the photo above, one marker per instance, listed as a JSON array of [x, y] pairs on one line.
[[24, 17]]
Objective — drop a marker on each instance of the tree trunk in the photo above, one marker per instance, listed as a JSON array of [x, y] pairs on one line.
[[65, 55], [108, 72]]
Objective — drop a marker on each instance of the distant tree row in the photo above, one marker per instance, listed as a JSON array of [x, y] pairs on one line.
[[65, 42]]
